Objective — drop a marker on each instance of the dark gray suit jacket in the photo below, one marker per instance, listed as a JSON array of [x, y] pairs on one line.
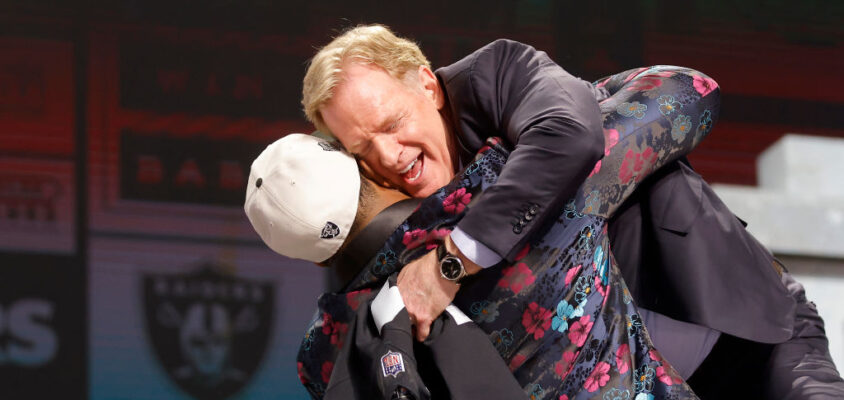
[[551, 121], [703, 267], [682, 252]]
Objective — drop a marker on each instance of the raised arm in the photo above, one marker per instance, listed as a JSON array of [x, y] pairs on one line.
[[551, 123], [654, 116]]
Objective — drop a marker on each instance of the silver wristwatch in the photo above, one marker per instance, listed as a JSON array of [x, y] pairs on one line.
[[451, 267]]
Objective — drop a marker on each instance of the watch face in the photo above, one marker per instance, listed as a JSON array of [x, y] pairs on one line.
[[451, 268]]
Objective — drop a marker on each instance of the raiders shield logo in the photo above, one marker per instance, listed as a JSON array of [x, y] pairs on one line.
[[208, 329], [329, 231]]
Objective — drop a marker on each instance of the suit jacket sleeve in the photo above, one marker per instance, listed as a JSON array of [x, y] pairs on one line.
[[551, 122]]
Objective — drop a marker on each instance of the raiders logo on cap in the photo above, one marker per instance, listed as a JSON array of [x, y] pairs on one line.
[[330, 230]]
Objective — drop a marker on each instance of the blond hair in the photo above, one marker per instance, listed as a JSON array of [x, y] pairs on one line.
[[369, 44]]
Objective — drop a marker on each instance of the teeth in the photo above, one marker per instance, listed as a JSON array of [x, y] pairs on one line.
[[417, 174], [409, 166]]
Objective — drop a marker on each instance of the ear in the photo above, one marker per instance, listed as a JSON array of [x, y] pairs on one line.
[[431, 86]]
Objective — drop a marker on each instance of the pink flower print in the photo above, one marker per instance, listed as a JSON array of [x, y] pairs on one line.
[[456, 202], [665, 373], [645, 163], [595, 169], [602, 83], [300, 370], [625, 174], [566, 363], [598, 378], [645, 83], [564, 397], [536, 320], [516, 362], [579, 331], [667, 376], [523, 252], [654, 355], [636, 165], [704, 84], [622, 358], [336, 330], [414, 238], [634, 74], [610, 140], [354, 298], [327, 367], [572, 273], [435, 237], [516, 277], [599, 287]]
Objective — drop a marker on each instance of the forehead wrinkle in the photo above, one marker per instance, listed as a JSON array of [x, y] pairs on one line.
[[367, 102]]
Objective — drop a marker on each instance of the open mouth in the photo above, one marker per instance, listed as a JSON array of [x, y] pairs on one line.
[[414, 170]]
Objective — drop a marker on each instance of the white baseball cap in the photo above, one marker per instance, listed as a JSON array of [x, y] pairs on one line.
[[302, 196]]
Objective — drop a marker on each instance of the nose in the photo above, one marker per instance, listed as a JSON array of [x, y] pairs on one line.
[[388, 150]]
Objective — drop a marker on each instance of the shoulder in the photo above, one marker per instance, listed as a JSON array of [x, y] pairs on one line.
[[499, 55]]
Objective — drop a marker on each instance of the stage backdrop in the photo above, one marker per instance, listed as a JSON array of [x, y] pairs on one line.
[[127, 267]]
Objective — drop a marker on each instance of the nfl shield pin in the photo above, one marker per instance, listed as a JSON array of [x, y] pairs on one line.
[[392, 364]]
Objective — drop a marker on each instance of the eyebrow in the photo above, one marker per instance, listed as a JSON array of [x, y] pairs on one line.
[[382, 126]]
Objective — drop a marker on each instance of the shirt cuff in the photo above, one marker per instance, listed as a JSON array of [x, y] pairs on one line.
[[474, 250]]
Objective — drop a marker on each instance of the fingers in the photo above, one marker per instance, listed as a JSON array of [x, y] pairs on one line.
[[424, 292], [423, 328]]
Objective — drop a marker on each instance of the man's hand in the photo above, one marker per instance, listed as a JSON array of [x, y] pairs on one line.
[[425, 292]]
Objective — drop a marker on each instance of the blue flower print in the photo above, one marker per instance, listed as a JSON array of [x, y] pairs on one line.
[[644, 379], [634, 324], [570, 211], [308, 340], [705, 124], [601, 264], [473, 167], [593, 203], [644, 396], [617, 394], [582, 288], [384, 262], [667, 104], [634, 109], [680, 127], [535, 391], [502, 339], [585, 239], [565, 312], [484, 311], [599, 256]]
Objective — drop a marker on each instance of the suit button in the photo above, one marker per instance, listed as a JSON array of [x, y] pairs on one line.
[[517, 229], [533, 209], [529, 216], [522, 223]]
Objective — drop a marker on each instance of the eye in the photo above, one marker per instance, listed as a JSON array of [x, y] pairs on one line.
[[396, 124]]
